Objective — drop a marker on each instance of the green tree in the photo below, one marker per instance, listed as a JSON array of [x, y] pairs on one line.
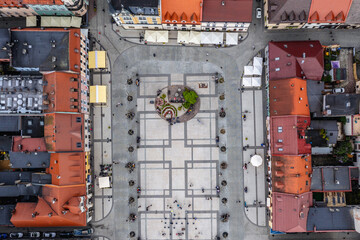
[[343, 150], [190, 96]]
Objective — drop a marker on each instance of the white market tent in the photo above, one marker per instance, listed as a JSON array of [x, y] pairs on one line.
[[104, 182], [162, 36], [256, 81], [258, 65], [247, 82], [256, 160], [206, 38], [183, 37], [195, 37], [231, 38], [248, 70], [217, 37], [150, 36], [31, 21]]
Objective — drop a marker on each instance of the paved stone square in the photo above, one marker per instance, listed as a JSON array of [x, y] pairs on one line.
[[178, 164]]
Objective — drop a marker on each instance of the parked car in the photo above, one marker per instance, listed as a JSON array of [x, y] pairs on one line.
[[3, 235], [83, 232], [16, 235], [338, 90], [66, 234], [49, 234], [258, 12], [34, 234]]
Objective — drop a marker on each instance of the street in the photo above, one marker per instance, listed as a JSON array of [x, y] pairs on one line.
[[152, 63]]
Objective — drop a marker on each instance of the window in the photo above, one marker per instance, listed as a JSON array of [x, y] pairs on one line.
[[78, 119], [78, 144], [280, 129], [307, 183], [280, 140], [280, 149]]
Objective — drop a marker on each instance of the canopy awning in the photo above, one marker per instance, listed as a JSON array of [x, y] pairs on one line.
[[256, 160], [97, 59], [195, 37], [183, 37], [97, 94], [162, 36], [258, 66], [232, 38], [150, 36], [206, 38], [247, 82], [256, 81], [60, 21], [75, 22], [217, 37], [104, 182], [31, 21], [248, 70]]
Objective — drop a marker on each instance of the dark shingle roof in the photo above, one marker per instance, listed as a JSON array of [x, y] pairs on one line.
[[146, 7], [288, 11], [40, 50], [325, 219], [331, 178], [5, 214], [30, 160], [342, 104]]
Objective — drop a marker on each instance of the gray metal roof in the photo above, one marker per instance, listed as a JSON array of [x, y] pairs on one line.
[[330, 126], [4, 38], [5, 214], [354, 16], [331, 178], [325, 218], [10, 124], [10, 178], [41, 178], [36, 49], [20, 190], [341, 104], [30, 160], [288, 11], [315, 98], [137, 7], [5, 143], [21, 93]]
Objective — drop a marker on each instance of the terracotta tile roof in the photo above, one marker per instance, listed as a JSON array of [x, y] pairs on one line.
[[287, 134], [230, 11], [58, 206], [63, 92], [28, 144], [191, 9], [291, 174], [303, 59], [64, 132], [43, 2], [290, 212], [11, 3], [67, 168], [329, 11], [288, 97]]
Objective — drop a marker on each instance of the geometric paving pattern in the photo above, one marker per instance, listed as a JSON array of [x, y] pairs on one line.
[[178, 163]]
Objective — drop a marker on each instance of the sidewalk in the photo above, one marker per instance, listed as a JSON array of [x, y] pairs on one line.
[[102, 145], [134, 36]]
